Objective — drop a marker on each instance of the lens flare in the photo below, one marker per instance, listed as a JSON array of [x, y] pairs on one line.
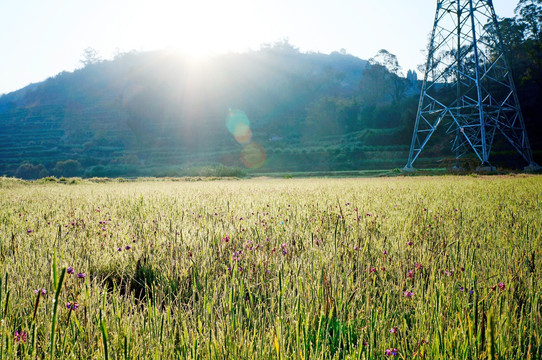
[[238, 125], [242, 134], [253, 156]]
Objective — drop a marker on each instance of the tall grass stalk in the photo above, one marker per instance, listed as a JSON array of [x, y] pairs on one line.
[[58, 287]]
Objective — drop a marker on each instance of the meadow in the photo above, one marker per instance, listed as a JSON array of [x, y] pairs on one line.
[[444, 267]]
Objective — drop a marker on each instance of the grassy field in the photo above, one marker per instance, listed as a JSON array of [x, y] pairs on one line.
[[407, 268]]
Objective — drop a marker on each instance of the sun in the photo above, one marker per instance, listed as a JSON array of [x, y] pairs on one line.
[[200, 27]]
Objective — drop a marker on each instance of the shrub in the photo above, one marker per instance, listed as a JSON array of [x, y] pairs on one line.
[[29, 172], [68, 168], [215, 171]]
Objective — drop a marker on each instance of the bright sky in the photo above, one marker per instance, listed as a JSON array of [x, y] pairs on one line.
[[39, 39]]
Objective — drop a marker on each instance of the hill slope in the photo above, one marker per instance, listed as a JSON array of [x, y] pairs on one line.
[[148, 112], [158, 113]]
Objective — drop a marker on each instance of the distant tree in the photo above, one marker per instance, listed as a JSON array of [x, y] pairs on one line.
[[90, 56], [392, 79], [333, 115], [412, 77], [322, 117], [512, 32], [529, 18], [29, 171], [348, 114], [68, 168], [283, 46], [529, 13], [374, 84], [388, 60]]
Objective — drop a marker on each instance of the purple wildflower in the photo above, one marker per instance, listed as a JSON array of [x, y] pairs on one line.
[[70, 270], [40, 291], [391, 352], [82, 275], [127, 247], [29, 231], [408, 294], [409, 243], [20, 336], [410, 274], [73, 306], [501, 285], [384, 252]]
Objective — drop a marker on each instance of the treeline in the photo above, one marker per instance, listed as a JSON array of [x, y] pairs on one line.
[[522, 37]]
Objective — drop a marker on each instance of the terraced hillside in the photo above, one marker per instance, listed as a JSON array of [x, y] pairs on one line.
[[157, 113]]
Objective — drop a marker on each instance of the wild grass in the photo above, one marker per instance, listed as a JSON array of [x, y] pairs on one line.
[[412, 268]]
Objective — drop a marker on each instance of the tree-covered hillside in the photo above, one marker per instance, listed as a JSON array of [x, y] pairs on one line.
[[157, 113], [275, 109]]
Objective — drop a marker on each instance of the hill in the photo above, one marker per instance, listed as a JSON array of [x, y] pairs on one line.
[[160, 113]]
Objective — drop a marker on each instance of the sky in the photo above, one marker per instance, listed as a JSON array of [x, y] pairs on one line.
[[39, 39]]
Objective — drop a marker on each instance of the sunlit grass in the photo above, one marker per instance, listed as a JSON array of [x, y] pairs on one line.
[[436, 268]]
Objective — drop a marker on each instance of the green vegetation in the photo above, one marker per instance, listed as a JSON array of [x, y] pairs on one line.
[[406, 267], [156, 114]]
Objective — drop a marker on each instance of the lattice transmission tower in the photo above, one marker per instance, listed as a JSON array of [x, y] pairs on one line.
[[468, 86]]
